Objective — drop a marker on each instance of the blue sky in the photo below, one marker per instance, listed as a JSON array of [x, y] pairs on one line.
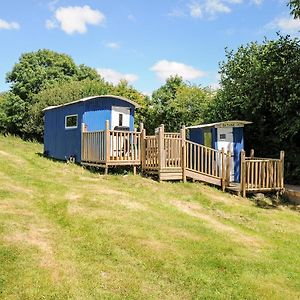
[[141, 41]]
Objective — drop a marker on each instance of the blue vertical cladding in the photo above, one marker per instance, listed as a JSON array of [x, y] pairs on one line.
[[238, 141], [61, 143], [98, 110], [196, 135]]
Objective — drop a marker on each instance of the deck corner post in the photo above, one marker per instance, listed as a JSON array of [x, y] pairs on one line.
[[161, 154], [83, 137], [143, 147], [252, 153], [282, 169], [223, 170], [107, 141], [141, 126], [183, 153], [228, 167], [243, 173]]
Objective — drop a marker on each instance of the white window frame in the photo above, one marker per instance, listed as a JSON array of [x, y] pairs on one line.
[[71, 127]]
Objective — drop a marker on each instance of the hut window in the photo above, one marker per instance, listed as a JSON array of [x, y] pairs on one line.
[[71, 121], [223, 136], [120, 119]]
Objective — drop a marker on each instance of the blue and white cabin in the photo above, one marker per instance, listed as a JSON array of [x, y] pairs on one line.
[[64, 123], [228, 135]]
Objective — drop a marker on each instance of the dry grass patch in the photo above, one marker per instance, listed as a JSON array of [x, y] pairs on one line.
[[195, 210]]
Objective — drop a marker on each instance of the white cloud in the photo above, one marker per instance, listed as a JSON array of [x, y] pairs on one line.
[[213, 7], [285, 24], [8, 25], [165, 69], [114, 76], [112, 45], [74, 19], [195, 10]]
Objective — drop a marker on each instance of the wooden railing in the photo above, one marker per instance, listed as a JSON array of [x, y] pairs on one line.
[[172, 147], [93, 146], [261, 174], [124, 146], [203, 159], [111, 147], [150, 153]]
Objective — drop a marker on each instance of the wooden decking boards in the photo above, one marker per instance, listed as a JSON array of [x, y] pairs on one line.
[[172, 157]]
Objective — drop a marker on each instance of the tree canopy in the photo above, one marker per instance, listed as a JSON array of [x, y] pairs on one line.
[[261, 83], [177, 103], [37, 70], [295, 8]]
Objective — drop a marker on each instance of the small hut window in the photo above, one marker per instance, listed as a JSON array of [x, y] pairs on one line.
[[120, 119], [71, 121], [223, 136]]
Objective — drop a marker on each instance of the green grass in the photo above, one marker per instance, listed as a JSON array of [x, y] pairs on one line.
[[68, 233]]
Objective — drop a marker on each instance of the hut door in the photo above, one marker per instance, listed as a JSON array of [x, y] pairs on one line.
[[225, 140], [120, 117]]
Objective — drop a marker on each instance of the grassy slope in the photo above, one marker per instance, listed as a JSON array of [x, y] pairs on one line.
[[68, 233]]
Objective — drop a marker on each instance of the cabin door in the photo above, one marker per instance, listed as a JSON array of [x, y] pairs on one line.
[[120, 117], [120, 120], [225, 140]]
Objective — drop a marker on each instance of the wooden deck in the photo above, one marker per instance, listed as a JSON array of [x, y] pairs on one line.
[[172, 157]]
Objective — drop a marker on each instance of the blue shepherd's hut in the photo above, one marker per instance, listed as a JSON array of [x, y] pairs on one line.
[[64, 123], [228, 135]]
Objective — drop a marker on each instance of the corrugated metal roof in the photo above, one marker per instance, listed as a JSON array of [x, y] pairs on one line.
[[233, 123], [93, 97]]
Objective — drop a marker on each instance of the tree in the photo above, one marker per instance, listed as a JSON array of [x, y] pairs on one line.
[[35, 72], [295, 8], [177, 103], [261, 83]]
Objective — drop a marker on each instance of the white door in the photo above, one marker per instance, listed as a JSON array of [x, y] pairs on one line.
[[225, 140], [120, 116]]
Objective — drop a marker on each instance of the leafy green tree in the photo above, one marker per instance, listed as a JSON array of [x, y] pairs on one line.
[[10, 121], [295, 8], [177, 103], [35, 72], [261, 83]]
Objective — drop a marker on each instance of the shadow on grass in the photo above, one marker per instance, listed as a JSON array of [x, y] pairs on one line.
[[113, 170], [271, 201]]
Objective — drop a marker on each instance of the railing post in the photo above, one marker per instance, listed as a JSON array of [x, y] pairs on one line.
[[183, 153], [228, 167], [252, 153], [223, 170], [282, 169], [83, 137], [243, 173], [143, 146], [107, 145], [161, 153]]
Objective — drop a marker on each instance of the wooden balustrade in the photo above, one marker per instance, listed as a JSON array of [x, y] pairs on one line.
[[171, 156], [261, 174], [111, 147]]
